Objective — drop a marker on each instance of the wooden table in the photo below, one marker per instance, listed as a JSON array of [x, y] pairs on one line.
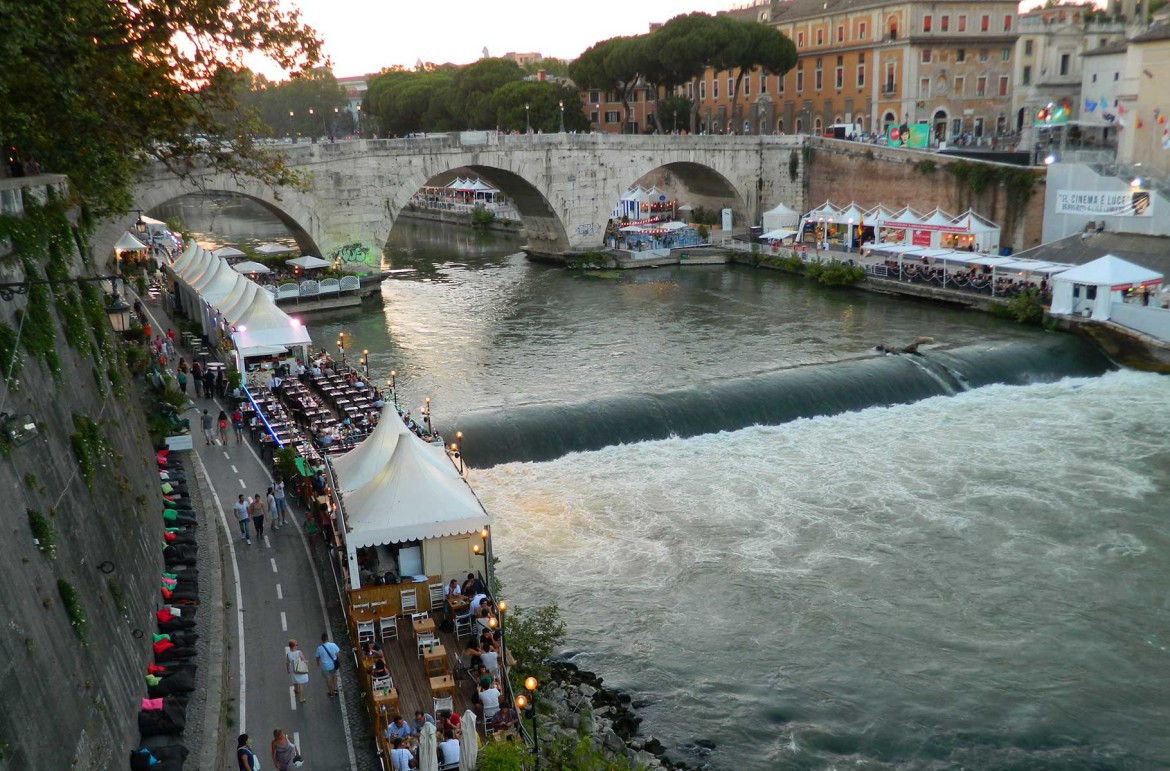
[[424, 625], [456, 603], [435, 662], [386, 701], [442, 684]]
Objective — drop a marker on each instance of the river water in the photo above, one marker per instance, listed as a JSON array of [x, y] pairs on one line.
[[969, 579]]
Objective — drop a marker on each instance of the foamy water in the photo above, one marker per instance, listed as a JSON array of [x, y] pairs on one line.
[[974, 580]]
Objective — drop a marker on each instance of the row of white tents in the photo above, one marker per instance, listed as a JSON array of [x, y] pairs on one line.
[[396, 488], [229, 304], [907, 226]]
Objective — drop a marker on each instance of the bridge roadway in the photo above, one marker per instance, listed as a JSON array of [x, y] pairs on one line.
[[274, 592], [564, 186]]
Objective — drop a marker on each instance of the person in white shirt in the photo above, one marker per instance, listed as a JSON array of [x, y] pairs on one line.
[[452, 589], [491, 660], [475, 601], [449, 748], [490, 699], [400, 757]]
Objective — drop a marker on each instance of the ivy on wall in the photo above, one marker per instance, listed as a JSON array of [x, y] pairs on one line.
[[90, 447]]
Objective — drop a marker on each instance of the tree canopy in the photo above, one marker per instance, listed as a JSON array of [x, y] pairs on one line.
[[313, 104], [96, 88]]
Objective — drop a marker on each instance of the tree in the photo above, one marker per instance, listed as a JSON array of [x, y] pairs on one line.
[[543, 100], [95, 89], [611, 65], [531, 638], [474, 85], [672, 110]]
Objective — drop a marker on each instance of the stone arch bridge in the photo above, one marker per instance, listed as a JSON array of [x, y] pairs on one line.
[[563, 185]]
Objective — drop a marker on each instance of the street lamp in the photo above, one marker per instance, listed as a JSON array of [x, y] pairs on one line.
[[427, 416], [393, 389], [366, 361], [530, 684], [119, 313], [291, 116], [527, 124], [561, 104], [480, 551], [359, 120]]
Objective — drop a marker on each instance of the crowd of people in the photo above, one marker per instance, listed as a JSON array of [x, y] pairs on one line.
[[971, 279]]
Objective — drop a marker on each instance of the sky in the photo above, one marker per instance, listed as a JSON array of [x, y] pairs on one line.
[[363, 36]]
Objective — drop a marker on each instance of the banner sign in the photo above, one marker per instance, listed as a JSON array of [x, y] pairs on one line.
[[920, 238], [1094, 202], [923, 227]]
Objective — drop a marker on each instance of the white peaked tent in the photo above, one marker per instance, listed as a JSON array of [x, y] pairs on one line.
[[228, 251], [128, 243], [251, 266], [1105, 278], [875, 216], [219, 287], [263, 329], [185, 258], [269, 249], [240, 303], [308, 262], [938, 217], [780, 217], [357, 467], [415, 493], [214, 268]]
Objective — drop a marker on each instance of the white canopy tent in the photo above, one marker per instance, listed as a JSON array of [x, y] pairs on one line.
[[214, 268], [1093, 287], [185, 258], [228, 251], [263, 326], [128, 243], [270, 249], [308, 262], [412, 492], [251, 266], [780, 217], [778, 235], [230, 313]]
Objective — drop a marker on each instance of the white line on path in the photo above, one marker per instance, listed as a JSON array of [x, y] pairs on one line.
[[283, 622], [297, 742], [243, 485], [226, 455], [239, 590], [267, 543], [292, 697], [234, 469], [272, 559], [320, 599], [279, 593]]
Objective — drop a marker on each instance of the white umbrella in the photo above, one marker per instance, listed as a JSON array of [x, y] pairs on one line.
[[468, 743], [307, 262], [228, 251], [428, 750], [272, 249], [248, 266]]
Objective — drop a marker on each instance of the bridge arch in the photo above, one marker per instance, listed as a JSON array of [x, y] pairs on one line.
[[702, 181]]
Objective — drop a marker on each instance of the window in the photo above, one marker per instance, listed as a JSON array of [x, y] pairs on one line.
[[889, 78], [819, 77], [1027, 75], [691, 91], [1003, 85], [982, 54], [820, 37], [747, 85], [978, 127], [926, 56], [981, 86], [612, 116], [984, 23], [840, 73], [956, 126], [799, 125], [861, 70], [800, 40], [926, 23], [1115, 77], [1005, 54], [1094, 77], [961, 55], [800, 77], [1007, 23], [861, 31], [780, 126], [893, 23], [1064, 62], [593, 116], [715, 87], [763, 82], [594, 97], [924, 88], [840, 34], [962, 22], [702, 90], [1027, 48], [730, 87], [944, 24], [779, 84], [959, 86], [817, 125]]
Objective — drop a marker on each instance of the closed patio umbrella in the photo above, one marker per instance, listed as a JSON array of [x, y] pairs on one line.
[[428, 749], [468, 744]]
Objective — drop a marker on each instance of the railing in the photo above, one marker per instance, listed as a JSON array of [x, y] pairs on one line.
[[1148, 320]]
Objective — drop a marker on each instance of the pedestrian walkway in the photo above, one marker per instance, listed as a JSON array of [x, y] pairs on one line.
[[275, 593]]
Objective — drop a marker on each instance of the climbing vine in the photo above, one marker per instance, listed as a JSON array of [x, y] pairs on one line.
[[43, 533], [90, 447], [973, 180], [793, 165], [10, 357]]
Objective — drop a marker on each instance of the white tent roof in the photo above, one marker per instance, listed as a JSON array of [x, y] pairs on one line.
[[907, 216], [152, 221], [898, 248], [1111, 271], [415, 494], [875, 215], [361, 464], [852, 214], [196, 267], [185, 258], [262, 325], [228, 251], [825, 210], [307, 262], [128, 243], [250, 266], [778, 234], [780, 217], [973, 223], [208, 276], [265, 342], [479, 184], [632, 194], [1035, 266], [231, 313], [219, 287], [939, 217], [272, 249]]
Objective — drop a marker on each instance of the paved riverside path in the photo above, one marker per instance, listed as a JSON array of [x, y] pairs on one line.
[[273, 593]]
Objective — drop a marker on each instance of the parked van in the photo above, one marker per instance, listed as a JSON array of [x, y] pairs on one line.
[[842, 131]]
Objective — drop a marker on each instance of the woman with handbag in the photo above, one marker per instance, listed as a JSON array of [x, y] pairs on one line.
[[284, 752], [296, 665]]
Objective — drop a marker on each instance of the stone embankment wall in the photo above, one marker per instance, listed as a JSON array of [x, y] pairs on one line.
[[871, 175], [71, 677]]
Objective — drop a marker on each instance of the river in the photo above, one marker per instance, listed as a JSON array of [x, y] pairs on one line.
[[972, 578]]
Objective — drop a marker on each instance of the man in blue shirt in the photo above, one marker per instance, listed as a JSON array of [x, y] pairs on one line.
[[398, 729]]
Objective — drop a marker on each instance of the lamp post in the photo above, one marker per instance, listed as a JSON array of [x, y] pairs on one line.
[[393, 390], [459, 443], [527, 124], [118, 312], [530, 684], [427, 416], [561, 104], [359, 120], [366, 361], [291, 134]]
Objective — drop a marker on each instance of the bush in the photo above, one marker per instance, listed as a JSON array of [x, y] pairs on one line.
[[532, 637], [1025, 308], [481, 218], [502, 756]]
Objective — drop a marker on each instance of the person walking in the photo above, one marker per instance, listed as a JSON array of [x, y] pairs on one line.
[[256, 510], [281, 503], [273, 511], [209, 383], [241, 509], [197, 379], [328, 660], [283, 751], [245, 757], [238, 425], [208, 426], [223, 424], [298, 668]]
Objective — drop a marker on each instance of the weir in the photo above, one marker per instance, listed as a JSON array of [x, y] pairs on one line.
[[543, 432]]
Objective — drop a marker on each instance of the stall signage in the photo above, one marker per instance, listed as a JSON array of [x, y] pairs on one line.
[[921, 238], [926, 228]]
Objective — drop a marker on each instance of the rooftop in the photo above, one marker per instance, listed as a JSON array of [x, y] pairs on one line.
[[1150, 251]]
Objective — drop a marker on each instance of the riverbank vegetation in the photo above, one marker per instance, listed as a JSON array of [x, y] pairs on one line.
[[827, 272]]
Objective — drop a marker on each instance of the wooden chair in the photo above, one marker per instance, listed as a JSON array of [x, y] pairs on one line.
[[438, 598], [365, 631], [409, 602], [388, 628]]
